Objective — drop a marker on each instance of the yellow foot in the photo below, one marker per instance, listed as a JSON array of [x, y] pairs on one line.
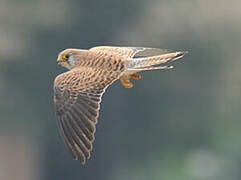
[[136, 76], [125, 81]]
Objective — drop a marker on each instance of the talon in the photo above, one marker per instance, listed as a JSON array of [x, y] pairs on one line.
[[125, 81], [136, 76]]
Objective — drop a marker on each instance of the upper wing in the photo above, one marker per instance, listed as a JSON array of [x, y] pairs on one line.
[[132, 52], [77, 97]]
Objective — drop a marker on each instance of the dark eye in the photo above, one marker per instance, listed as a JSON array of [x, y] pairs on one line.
[[66, 56]]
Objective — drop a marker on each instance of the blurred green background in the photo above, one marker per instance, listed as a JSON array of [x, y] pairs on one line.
[[179, 124]]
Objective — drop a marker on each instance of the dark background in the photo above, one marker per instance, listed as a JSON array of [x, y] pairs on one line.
[[179, 124]]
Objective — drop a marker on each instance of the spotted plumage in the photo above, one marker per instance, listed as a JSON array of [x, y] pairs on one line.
[[78, 92]]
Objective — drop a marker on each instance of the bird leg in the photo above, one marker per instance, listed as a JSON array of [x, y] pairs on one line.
[[125, 79], [136, 76]]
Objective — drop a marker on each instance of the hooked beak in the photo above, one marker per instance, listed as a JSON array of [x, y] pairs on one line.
[[61, 60]]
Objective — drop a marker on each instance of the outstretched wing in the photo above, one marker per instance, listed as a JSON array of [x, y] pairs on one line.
[[132, 52], [77, 97]]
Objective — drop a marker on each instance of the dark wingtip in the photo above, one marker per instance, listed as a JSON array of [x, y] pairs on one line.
[[81, 160], [182, 53]]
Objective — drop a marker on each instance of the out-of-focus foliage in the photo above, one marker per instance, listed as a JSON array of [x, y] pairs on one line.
[[177, 124]]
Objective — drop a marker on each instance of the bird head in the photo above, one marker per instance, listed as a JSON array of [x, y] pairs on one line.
[[69, 58]]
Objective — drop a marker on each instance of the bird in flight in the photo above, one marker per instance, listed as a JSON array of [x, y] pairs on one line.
[[78, 92]]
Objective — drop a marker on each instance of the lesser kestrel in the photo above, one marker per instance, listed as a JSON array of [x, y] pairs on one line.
[[77, 92]]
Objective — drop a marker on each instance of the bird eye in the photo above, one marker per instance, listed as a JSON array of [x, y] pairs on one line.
[[66, 56]]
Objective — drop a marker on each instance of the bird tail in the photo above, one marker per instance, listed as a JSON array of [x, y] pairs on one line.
[[154, 62]]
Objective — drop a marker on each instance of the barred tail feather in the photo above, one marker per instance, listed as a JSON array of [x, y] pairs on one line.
[[154, 62]]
